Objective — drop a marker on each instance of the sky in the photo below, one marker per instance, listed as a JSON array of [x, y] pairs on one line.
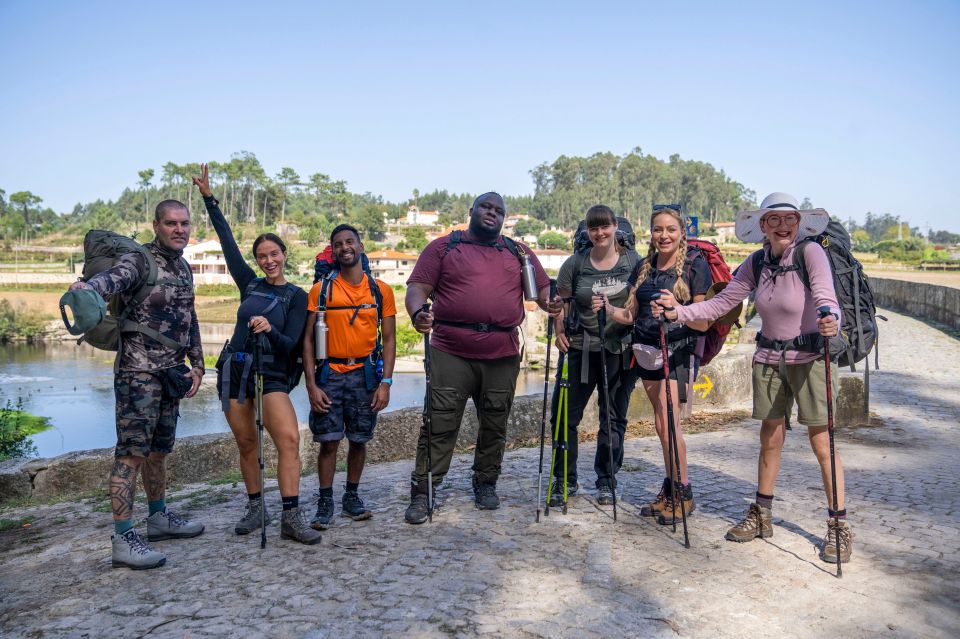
[[852, 104]]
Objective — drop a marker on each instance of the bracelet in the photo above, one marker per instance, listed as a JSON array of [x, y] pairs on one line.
[[387, 380]]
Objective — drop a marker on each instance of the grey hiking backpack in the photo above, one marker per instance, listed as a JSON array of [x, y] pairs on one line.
[[101, 250]]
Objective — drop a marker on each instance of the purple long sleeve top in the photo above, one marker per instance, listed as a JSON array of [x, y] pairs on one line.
[[786, 307]]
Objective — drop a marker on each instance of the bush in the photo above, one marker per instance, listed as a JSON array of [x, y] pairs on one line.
[[407, 339], [16, 427], [20, 323]]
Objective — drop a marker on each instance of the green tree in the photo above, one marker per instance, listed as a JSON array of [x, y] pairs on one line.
[[533, 226], [287, 178], [145, 176], [553, 240], [26, 201], [415, 238]]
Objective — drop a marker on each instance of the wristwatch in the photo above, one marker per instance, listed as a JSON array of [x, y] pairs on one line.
[[387, 380]]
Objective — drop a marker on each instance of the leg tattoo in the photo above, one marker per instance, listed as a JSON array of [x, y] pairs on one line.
[[123, 483], [155, 476]]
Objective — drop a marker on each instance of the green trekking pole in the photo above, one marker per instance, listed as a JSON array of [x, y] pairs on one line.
[[546, 384], [562, 386]]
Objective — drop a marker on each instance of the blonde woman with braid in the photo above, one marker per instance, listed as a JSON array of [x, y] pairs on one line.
[[669, 267]]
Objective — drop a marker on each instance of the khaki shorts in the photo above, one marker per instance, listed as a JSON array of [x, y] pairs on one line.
[[806, 384]]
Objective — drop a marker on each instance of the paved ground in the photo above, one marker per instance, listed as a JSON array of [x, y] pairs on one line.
[[577, 575]]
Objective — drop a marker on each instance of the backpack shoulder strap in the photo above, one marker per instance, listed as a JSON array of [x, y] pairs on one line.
[[578, 260], [250, 288], [800, 260], [325, 291], [148, 283], [513, 247], [756, 265], [455, 238]]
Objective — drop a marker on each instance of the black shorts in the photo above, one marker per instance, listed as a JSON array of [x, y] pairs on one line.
[[271, 382]]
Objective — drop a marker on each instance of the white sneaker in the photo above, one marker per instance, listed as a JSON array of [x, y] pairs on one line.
[[167, 524], [131, 551]]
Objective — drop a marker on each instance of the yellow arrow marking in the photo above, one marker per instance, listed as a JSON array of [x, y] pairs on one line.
[[706, 386]]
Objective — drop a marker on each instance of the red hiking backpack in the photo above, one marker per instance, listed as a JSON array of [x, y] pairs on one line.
[[711, 343]]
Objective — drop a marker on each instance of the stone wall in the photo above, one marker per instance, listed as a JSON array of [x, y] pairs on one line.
[[926, 301], [206, 457]]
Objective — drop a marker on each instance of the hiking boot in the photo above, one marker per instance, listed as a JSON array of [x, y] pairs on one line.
[[352, 507], [293, 525], [168, 524], [131, 551], [828, 551], [758, 522], [556, 493], [417, 511], [668, 516], [251, 518], [324, 516], [659, 504], [605, 495], [485, 495]]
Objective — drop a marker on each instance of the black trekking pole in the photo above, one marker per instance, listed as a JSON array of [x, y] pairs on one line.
[[824, 311], [258, 405], [602, 322], [546, 384], [428, 416], [673, 449]]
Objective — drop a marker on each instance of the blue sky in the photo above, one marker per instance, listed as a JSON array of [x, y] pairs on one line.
[[854, 105]]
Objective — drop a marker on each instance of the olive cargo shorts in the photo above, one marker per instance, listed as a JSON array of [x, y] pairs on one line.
[[806, 384]]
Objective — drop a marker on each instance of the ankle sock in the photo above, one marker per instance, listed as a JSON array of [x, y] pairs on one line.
[[253, 496], [291, 502], [326, 492], [352, 487], [840, 514], [122, 526], [766, 501], [157, 506]]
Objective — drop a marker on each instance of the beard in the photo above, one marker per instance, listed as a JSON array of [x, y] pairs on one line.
[[343, 263], [478, 230]]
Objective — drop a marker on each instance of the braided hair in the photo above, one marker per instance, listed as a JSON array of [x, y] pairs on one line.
[[680, 289]]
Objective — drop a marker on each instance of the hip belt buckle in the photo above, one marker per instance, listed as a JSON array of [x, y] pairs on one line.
[[483, 327], [351, 361]]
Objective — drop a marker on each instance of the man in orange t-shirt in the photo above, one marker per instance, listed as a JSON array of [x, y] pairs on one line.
[[346, 391]]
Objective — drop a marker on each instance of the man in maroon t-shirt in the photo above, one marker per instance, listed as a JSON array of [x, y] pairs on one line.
[[475, 281]]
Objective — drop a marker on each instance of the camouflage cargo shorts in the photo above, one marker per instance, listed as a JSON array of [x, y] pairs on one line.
[[146, 418]]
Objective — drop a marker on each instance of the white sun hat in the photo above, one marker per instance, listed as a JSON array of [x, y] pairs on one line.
[[812, 221]]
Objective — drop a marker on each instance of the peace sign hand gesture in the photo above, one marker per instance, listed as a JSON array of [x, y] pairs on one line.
[[203, 182]]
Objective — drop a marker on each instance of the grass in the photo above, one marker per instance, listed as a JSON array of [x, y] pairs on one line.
[[15, 524]]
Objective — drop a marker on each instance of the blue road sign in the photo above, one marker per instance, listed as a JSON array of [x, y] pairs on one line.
[[693, 226]]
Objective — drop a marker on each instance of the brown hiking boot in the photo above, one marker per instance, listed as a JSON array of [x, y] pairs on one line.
[[658, 505], [670, 515], [758, 522], [828, 551]]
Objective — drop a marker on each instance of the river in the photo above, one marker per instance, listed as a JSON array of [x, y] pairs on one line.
[[73, 386]]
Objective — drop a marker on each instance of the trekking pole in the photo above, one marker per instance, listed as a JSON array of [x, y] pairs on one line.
[[602, 321], [561, 409], [673, 449], [428, 417], [546, 384], [258, 405], [566, 434], [824, 311]]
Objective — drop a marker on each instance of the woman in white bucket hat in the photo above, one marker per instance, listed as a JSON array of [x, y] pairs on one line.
[[788, 363]]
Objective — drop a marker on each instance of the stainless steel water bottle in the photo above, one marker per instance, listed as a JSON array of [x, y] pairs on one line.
[[320, 336], [529, 277]]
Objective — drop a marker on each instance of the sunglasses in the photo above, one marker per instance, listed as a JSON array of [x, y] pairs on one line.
[[660, 207], [773, 221]]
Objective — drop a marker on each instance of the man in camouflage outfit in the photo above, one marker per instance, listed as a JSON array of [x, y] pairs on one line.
[[150, 378]]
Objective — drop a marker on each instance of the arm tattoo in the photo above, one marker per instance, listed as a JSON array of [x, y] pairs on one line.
[[123, 483]]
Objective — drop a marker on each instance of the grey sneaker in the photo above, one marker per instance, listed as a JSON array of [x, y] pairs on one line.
[[293, 525], [168, 524], [131, 551], [417, 510], [604, 495], [252, 517], [352, 507], [324, 516], [556, 493], [485, 495]]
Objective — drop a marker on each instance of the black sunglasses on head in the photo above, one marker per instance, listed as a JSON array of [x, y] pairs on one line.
[[675, 207]]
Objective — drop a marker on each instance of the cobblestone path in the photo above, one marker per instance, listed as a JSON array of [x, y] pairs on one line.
[[498, 573]]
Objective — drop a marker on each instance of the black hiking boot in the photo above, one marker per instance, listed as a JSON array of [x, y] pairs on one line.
[[352, 507], [417, 511], [324, 516], [556, 493], [605, 495], [485, 495]]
